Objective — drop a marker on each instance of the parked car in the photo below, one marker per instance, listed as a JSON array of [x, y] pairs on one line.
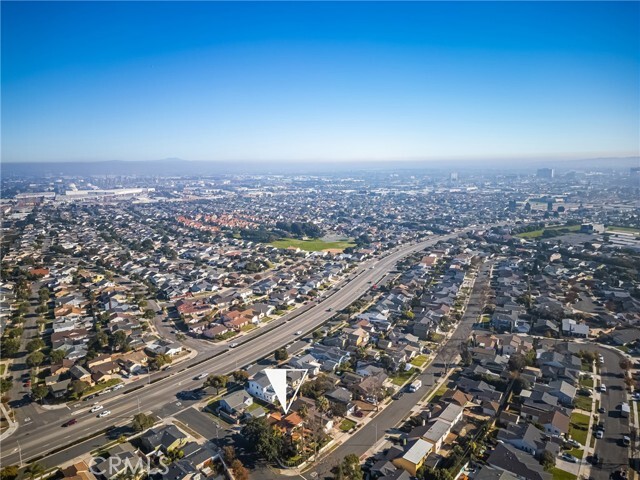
[[574, 443], [599, 434], [569, 458], [603, 388], [602, 410]]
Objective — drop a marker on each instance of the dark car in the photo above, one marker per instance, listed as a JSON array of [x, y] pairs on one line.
[[397, 395], [73, 421]]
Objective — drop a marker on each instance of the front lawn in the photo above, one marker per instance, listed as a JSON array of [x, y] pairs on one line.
[[583, 402], [2, 368], [401, 378], [561, 474], [248, 327], [347, 425], [579, 427], [576, 452], [586, 381], [419, 361], [438, 393]]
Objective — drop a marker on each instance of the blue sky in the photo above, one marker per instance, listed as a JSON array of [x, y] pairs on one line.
[[319, 81]]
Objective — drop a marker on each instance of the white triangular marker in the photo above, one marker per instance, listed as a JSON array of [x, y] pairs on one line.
[[278, 379]]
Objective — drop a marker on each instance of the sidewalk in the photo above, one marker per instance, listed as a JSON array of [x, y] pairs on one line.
[[13, 426]]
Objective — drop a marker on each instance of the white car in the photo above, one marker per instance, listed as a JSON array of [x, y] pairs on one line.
[[96, 408], [118, 387], [233, 345], [105, 413], [299, 332], [599, 434], [603, 388], [202, 375]]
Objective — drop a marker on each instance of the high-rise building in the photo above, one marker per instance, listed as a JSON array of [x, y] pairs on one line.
[[453, 176], [546, 173]]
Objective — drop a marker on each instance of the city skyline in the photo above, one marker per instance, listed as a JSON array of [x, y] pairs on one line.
[[319, 82]]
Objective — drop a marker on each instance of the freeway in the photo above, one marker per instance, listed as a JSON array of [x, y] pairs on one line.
[[46, 435]]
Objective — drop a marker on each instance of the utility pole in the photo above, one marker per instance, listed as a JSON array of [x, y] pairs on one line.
[[20, 454]]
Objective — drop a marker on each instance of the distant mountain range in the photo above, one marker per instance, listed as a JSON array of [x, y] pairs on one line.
[[180, 167]]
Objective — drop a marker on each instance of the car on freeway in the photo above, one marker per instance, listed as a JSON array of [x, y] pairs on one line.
[[104, 414], [299, 332], [118, 387], [73, 421], [201, 376], [96, 408], [569, 458], [329, 309], [233, 345]]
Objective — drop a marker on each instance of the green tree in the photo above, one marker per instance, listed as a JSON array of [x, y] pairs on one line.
[[216, 381], [10, 346], [141, 422], [35, 344], [57, 356], [120, 341], [349, 469], [159, 361], [281, 354], [78, 387], [517, 362], [266, 440], [35, 359], [5, 385], [322, 404], [34, 470], [38, 392], [10, 472], [547, 460], [240, 376], [149, 314]]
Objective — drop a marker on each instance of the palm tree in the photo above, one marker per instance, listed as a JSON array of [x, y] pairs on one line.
[[34, 470]]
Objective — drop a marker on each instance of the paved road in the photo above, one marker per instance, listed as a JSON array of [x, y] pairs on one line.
[[392, 416], [610, 449], [160, 396]]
